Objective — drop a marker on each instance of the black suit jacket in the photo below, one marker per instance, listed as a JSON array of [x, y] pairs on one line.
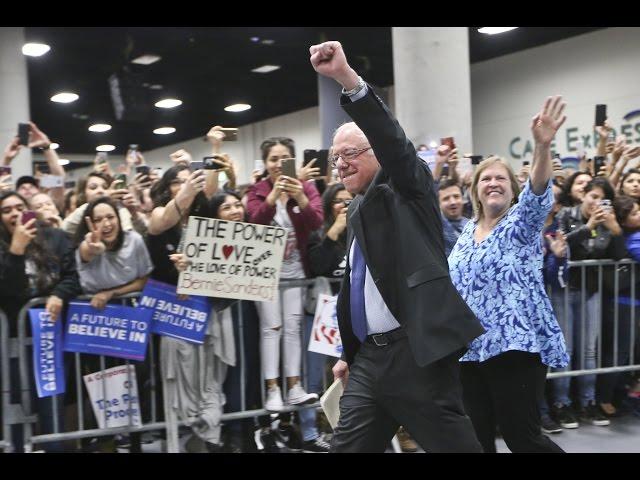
[[398, 226]]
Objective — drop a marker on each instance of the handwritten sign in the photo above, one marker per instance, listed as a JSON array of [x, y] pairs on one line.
[[232, 259]]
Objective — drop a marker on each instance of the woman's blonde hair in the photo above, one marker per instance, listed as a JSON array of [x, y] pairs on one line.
[[489, 162]]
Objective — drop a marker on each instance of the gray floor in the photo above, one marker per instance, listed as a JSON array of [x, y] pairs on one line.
[[622, 436]]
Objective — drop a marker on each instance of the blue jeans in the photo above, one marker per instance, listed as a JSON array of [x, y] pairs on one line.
[[313, 376], [577, 330]]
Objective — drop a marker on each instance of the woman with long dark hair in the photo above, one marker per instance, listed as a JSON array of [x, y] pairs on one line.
[[35, 261], [286, 202], [192, 374]]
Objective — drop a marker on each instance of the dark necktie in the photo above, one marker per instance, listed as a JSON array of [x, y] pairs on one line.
[[358, 314]]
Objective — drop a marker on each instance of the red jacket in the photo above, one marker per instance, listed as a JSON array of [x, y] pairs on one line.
[[304, 221]]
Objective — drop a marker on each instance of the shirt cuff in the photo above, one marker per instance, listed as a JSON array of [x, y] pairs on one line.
[[360, 94]]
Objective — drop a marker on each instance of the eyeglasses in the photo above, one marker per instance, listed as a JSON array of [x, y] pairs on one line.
[[346, 203], [347, 156]]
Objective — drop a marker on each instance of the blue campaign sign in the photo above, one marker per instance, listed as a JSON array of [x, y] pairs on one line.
[[48, 366], [115, 331], [183, 319]]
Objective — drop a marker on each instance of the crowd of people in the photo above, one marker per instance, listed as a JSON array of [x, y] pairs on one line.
[[105, 238]]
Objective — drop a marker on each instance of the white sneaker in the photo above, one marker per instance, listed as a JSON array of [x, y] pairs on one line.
[[274, 403], [297, 396]]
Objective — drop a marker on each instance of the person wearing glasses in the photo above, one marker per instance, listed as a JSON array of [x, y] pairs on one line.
[[289, 203], [402, 323]]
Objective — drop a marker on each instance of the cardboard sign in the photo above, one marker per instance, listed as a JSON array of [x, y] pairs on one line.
[[116, 404], [183, 319], [232, 259], [115, 331], [48, 366], [325, 335]]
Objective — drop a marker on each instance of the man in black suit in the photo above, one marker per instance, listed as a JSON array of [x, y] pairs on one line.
[[403, 324]]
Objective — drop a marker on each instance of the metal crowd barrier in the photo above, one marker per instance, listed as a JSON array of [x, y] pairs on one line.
[[26, 381], [5, 443], [578, 365]]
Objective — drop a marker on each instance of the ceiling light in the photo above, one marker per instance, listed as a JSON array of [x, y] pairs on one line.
[[54, 146], [266, 68], [63, 161], [100, 127], [64, 97], [238, 107], [146, 59], [255, 39], [164, 130], [35, 49], [494, 30], [169, 103], [105, 148], [268, 41]]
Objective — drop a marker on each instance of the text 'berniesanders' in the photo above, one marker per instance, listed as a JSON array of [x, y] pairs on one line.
[[232, 259]]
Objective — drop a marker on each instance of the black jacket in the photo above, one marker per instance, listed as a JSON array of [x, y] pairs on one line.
[[15, 289], [398, 226], [327, 257]]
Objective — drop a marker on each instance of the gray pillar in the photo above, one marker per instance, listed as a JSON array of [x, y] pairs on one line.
[[432, 84], [14, 95], [331, 113]]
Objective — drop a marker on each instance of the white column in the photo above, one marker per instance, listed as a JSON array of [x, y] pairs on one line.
[[14, 95], [432, 84]]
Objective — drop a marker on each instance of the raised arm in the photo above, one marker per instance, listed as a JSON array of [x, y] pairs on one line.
[[544, 127], [392, 149]]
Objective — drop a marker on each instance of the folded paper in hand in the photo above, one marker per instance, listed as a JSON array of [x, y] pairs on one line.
[[330, 402]]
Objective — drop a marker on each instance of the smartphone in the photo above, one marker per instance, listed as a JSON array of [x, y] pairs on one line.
[[258, 165], [28, 215], [445, 171], [448, 141], [5, 171], [230, 134], [601, 115], [120, 181], [605, 203], [51, 181], [102, 158], [195, 165], [525, 163], [322, 160], [598, 163], [143, 169], [289, 167], [209, 164], [23, 133], [475, 159]]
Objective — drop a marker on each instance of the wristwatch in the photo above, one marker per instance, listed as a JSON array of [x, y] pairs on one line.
[[355, 89]]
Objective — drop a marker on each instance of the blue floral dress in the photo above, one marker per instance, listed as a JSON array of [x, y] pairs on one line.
[[501, 281]]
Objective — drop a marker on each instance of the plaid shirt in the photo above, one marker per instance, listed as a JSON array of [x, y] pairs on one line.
[[451, 230]]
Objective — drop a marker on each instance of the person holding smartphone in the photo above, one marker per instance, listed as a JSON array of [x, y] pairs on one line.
[[287, 202], [592, 232], [35, 261]]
